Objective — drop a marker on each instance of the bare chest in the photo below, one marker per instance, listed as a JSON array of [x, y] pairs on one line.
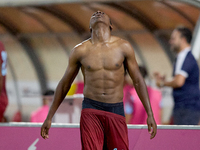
[[102, 58]]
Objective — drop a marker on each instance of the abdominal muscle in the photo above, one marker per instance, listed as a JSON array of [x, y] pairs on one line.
[[107, 88]]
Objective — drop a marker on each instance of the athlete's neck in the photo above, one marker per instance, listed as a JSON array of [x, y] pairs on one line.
[[100, 34]]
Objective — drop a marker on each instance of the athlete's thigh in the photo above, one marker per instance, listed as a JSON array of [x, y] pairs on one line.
[[92, 132], [116, 134]]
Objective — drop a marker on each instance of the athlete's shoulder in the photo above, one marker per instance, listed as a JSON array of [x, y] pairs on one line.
[[83, 45], [124, 46], [120, 41], [80, 49]]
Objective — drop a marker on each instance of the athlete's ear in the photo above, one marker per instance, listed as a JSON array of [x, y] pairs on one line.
[[111, 27]]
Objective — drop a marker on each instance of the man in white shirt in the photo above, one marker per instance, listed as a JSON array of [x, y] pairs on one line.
[[185, 82]]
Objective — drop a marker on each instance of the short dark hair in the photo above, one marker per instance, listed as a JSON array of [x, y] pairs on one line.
[[185, 32], [48, 93]]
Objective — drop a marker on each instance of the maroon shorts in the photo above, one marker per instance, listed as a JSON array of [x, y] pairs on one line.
[[102, 130]]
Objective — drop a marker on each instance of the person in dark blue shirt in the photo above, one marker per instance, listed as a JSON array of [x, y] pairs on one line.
[[185, 82]]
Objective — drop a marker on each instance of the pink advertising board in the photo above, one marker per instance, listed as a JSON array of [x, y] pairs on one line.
[[26, 136]]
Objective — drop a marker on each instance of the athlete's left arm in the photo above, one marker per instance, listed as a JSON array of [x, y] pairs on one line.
[[139, 84]]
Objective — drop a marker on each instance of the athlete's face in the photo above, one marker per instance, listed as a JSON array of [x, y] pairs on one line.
[[175, 41], [99, 17]]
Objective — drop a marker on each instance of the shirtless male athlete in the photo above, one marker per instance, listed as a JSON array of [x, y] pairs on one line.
[[102, 59]]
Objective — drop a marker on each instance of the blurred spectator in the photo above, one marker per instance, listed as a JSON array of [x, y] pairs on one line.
[[134, 110], [40, 114], [167, 104], [17, 117], [185, 82], [80, 87], [3, 72], [128, 85]]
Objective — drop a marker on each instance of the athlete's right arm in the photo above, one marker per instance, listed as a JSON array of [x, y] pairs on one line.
[[62, 88]]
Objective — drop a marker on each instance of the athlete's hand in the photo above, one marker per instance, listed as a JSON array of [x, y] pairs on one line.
[[45, 129], [152, 126]]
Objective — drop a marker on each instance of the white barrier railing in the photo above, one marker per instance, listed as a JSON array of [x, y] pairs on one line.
[[26, 136]]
